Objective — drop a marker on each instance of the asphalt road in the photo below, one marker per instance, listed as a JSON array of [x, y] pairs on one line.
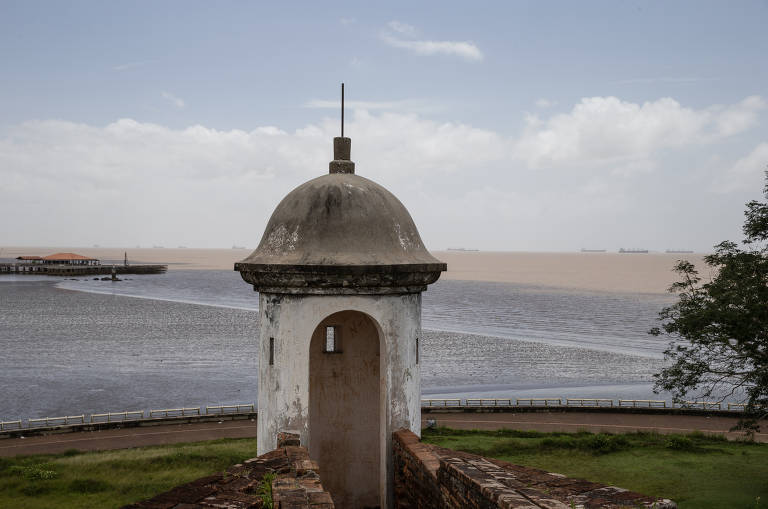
[[127, 437], [549, 421]]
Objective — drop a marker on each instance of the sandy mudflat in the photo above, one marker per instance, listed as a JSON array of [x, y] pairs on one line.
[[611, 272]]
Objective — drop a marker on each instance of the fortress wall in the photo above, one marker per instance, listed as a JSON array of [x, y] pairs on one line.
[[431, 477]]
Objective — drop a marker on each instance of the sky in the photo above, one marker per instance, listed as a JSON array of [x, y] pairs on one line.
[[508, 126]]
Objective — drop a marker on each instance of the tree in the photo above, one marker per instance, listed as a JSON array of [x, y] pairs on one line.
[[719, 328]]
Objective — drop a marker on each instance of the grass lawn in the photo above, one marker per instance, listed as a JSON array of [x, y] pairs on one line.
[[112, 478], [696, 471]]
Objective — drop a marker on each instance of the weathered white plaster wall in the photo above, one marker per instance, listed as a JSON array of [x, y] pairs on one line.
[[284, 386]]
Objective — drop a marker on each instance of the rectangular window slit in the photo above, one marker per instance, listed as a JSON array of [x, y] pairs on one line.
[[417, 350], [271, 351], [330, 339]]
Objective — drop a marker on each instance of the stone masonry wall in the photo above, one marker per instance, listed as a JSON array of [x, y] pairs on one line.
[[296, 484], [431, 477]]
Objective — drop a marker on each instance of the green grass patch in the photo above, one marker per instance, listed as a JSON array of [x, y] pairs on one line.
[[112, 479], [697, 471]]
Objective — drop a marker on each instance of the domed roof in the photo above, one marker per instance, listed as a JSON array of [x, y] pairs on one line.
[[340, 231]]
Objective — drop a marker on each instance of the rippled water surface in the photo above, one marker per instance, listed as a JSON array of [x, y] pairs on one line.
[[78, 346]]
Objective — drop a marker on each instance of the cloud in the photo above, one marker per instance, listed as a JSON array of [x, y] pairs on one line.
[[747, 173], [178, 102], [403, 39], [401, 28], [609, 130], [133, 182], [545, 103], [347, 21]]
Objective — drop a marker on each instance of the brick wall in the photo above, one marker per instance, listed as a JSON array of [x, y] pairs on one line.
[[431, 477]]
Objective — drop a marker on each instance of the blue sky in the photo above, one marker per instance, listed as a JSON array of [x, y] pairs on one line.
[[501, 125]]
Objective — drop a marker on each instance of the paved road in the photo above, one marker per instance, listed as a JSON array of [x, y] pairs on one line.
[[128, 437], [594, 422], [551, 421]]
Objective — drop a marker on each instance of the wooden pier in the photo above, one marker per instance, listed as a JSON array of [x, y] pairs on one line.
[[78, 270]]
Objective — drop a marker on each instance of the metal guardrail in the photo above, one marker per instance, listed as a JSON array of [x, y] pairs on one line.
[[489, 402], [441, 402], [228, 409], [578, 402], [174, 412], [539, 402], [126, 415], [4, 425], [705, 405], [53, 421], [133, 415], [588, 402], [648, 403]]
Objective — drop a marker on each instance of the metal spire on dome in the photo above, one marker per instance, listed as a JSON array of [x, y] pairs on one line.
[[342, 148]]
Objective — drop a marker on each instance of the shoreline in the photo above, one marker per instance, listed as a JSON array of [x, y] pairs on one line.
[[649, 273]]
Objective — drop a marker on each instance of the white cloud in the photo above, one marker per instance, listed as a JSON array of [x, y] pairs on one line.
[[178, 102], [463, 49], [142, 183], [402, 28], [747, 173], [403, 39], [347, 21], [609, 130], [545, 103]]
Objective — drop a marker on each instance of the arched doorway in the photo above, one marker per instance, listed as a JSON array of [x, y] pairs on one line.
[[345, 408]]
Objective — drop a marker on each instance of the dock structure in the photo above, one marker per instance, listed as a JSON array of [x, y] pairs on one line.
[[71, 264], [79, 270]]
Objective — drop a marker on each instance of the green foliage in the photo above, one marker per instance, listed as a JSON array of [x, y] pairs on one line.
[[89, 486], [41, 472], [679, 443], [265, 491], [719, 327], [113, 478]]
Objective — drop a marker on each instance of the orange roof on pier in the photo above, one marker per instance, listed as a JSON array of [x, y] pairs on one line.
[[66, 257]]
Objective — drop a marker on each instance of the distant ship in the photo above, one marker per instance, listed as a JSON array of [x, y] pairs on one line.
[[238, 247], [585, 250], [632, 250], [461, 249], [678, 251]]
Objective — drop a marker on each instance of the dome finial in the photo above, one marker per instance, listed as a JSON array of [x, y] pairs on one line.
[[342, 148]]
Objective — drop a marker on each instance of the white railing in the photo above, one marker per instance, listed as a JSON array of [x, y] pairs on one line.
[[174, 412], [588, 402], [57, 421], [229, 409], [441, 402], [126, 415], [132, 415], [705, 405], [648, 403], [488, 402], [539, 402], [4, 425]]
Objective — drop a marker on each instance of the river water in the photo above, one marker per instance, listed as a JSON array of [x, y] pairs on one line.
[[188, 337]]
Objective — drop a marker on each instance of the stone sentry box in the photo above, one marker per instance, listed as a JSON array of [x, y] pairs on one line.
[[341, 256]]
